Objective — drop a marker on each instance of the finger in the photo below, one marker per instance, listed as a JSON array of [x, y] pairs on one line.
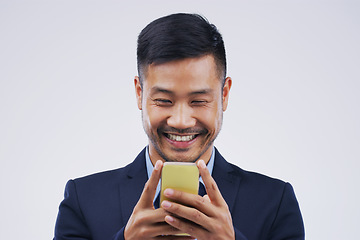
[[191, 200], [175, 237], [188, 213], [144, 217], [211, 187], [155, 216], [155, 230], [206, 198], [163, 229], [192, 229], [150, 223], [148, 194]]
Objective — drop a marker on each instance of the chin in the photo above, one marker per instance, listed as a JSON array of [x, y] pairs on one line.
[[181, 155], [178, 156]]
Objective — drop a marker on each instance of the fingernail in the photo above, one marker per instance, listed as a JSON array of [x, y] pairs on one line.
[[202, 164], [168, 192], [169, 219], [166, 204], [157, 165]]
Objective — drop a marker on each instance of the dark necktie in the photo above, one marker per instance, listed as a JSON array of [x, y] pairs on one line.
[[157, 202], [202, 192]]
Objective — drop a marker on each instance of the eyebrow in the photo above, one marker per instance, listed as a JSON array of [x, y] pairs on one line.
[[160, 90], [157, 89], [202, 91]]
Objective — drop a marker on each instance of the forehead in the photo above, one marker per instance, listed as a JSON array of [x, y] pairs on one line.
[[190, 74]]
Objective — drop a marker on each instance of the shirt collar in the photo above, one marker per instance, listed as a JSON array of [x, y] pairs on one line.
[[150, 168]]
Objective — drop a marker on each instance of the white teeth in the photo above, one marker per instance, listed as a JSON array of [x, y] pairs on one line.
[[181, 138]]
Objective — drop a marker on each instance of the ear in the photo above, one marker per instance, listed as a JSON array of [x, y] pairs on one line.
[[226, 91], [138, 92]]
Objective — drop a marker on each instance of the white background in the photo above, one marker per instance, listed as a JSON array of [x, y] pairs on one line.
[[67, 103]]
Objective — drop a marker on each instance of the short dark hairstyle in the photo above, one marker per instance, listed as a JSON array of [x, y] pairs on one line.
[[179, 36]]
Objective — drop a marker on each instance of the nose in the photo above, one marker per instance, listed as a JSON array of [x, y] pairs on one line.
[[181, 117]]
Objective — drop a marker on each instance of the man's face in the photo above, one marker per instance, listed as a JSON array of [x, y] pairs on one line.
[[182, 104]]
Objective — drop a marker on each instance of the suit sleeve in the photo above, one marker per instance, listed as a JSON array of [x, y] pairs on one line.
[[70, 223], [119, 235], [288, 223], [239, 235]]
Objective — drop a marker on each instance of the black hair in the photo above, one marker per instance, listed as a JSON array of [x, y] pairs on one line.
[[179, 36]]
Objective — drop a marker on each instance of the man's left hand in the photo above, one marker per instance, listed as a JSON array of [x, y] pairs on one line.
[[204, 218]]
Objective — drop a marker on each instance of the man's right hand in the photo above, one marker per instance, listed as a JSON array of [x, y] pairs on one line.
[[146, 222]]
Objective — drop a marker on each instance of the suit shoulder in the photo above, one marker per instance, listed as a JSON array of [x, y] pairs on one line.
[[110, 178], [105, 178], [252, 179], [262, 189], [258, 180]]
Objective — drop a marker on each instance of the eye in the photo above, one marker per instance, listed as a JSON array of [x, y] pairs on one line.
[[198, 102], [162, 102]]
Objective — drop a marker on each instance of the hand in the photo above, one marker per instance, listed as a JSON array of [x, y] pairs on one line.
[[145, 222], [207, 217]]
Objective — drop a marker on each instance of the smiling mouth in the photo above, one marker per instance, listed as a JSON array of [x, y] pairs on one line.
[[179, 138]]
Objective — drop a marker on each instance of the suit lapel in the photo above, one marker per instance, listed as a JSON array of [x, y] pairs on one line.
[[226, 179], [131, 187]]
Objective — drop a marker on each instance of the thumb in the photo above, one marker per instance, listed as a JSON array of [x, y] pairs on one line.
[[148, 194]]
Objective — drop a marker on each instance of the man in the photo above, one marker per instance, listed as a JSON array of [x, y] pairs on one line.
[[182, 91]]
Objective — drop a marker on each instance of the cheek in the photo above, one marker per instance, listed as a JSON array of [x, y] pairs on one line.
[[153, 117], [211, 117]]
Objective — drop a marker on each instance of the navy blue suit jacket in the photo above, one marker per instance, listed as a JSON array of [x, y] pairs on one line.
[[98, 206]]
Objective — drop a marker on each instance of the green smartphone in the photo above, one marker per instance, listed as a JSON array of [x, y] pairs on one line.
[[180, 176]]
